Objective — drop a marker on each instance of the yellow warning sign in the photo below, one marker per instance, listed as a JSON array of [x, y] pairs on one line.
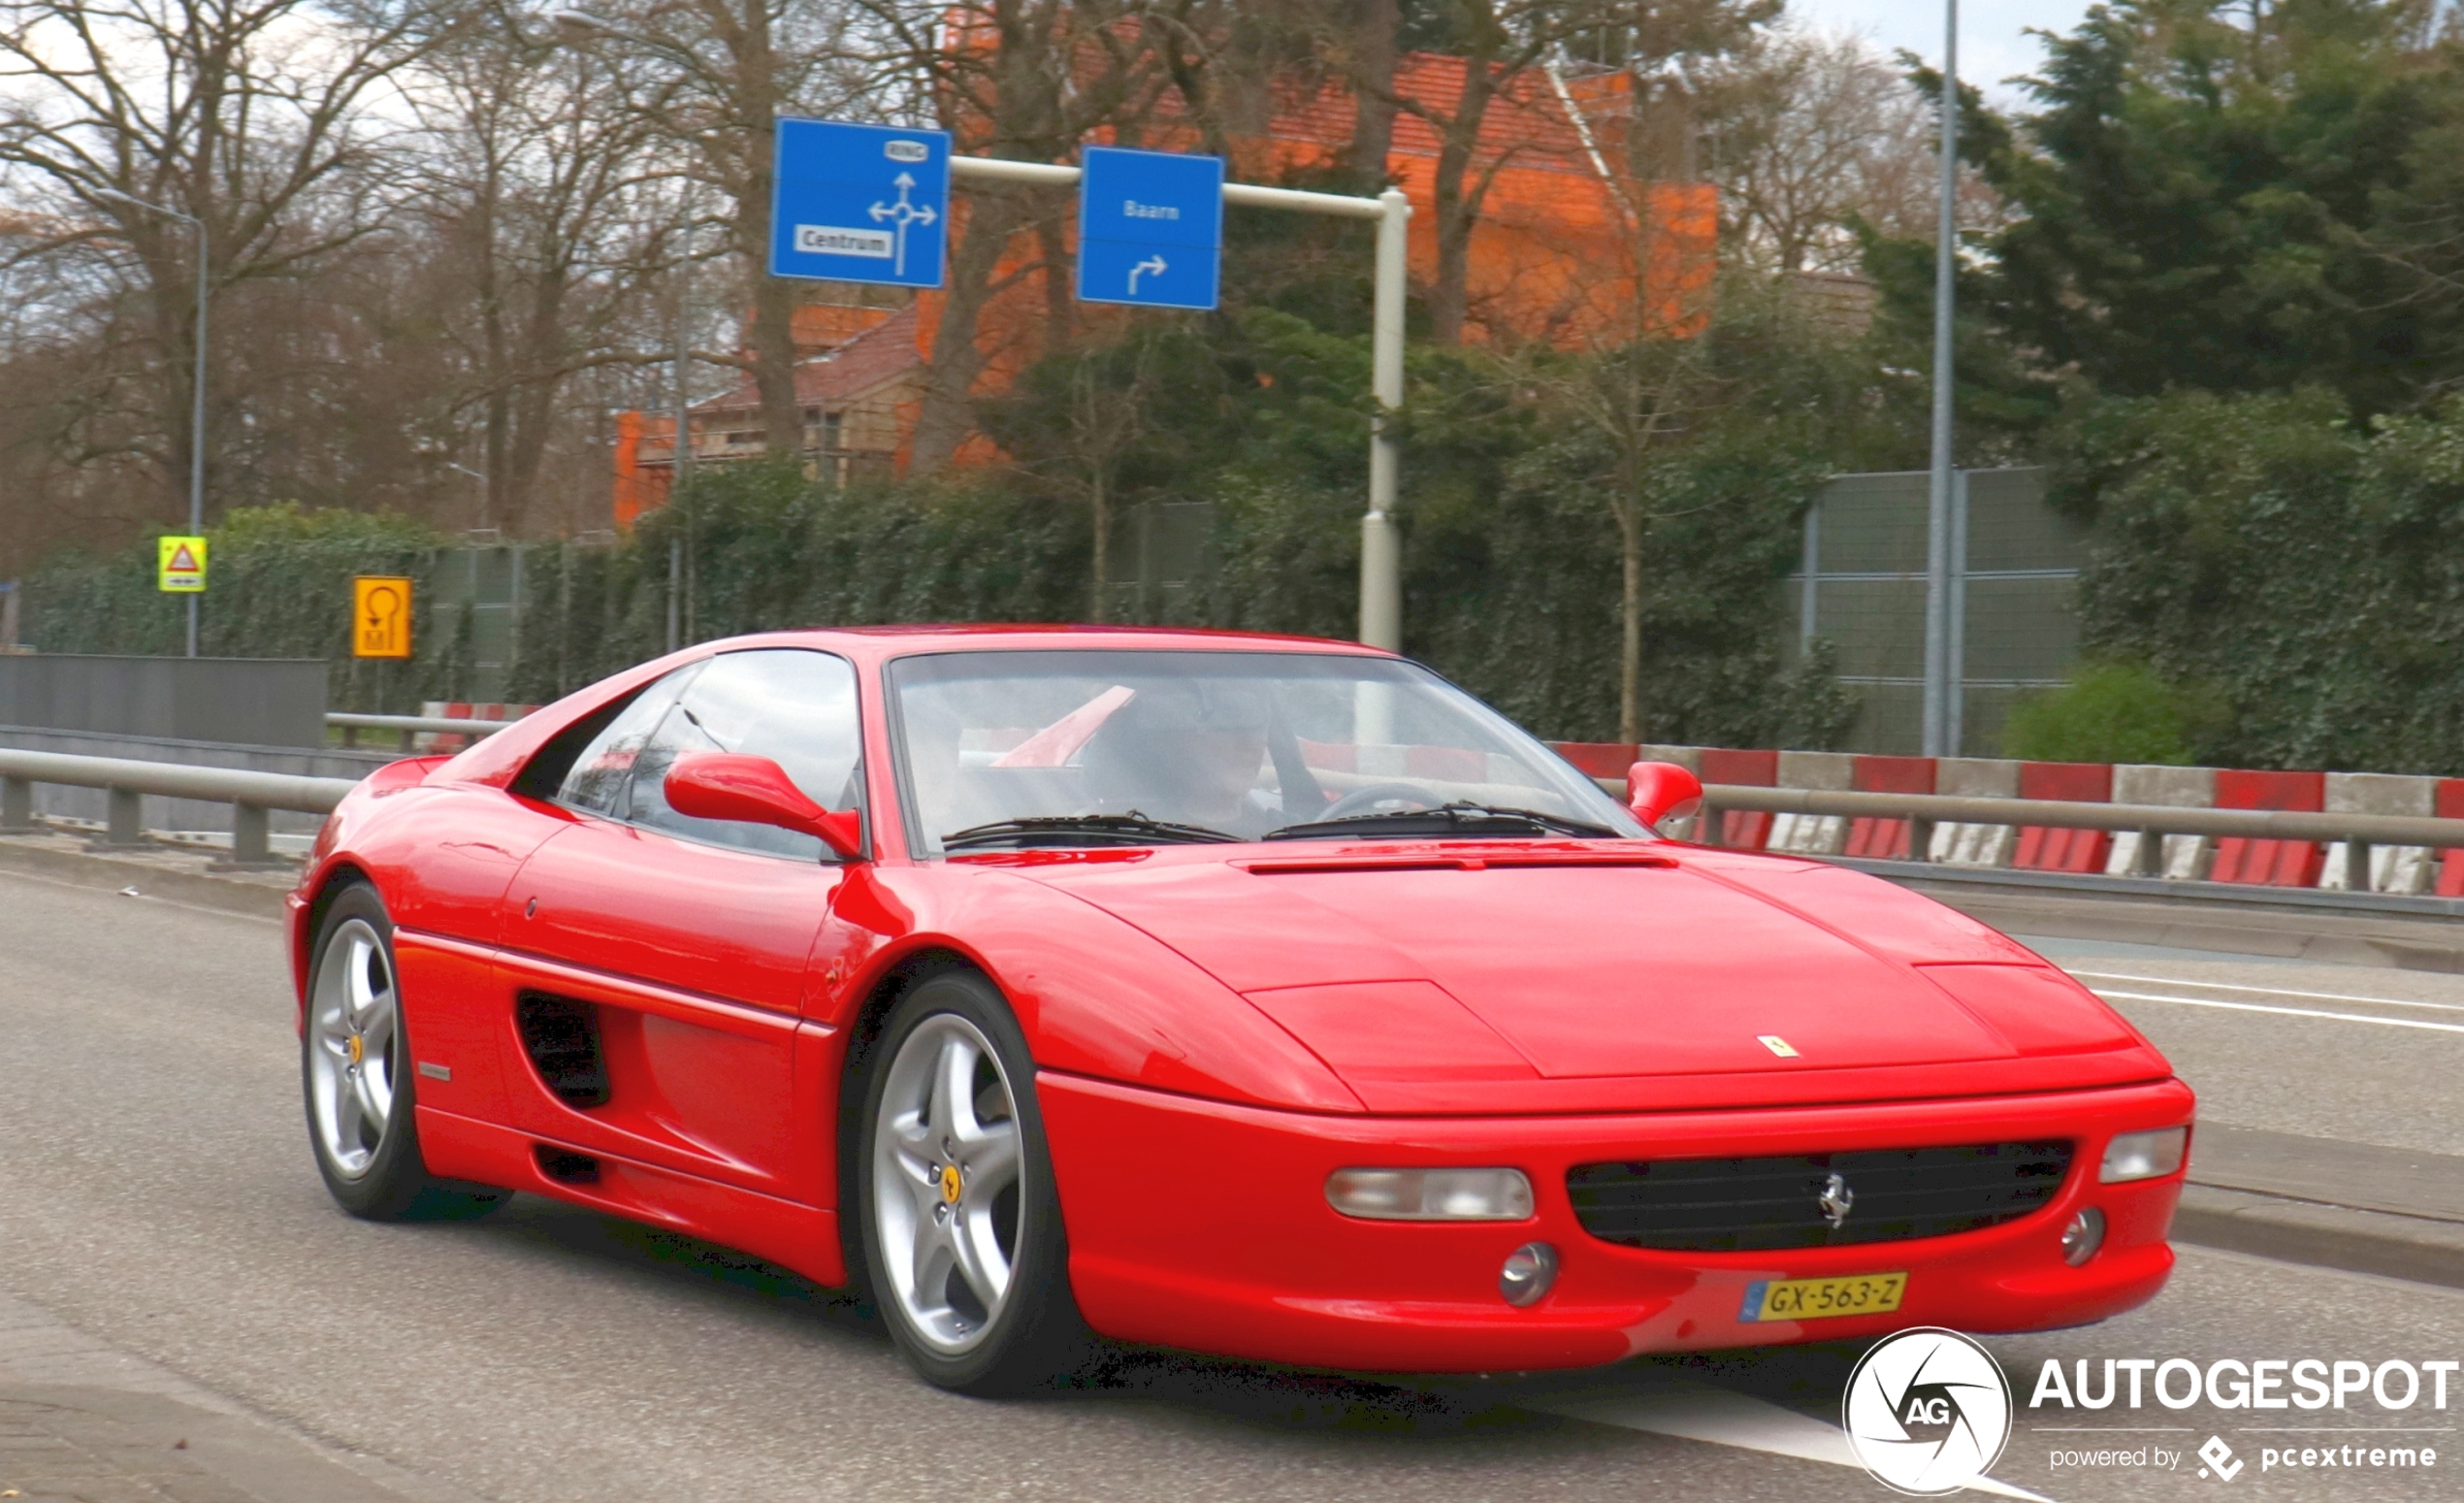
[[183, 565], [380, 616]]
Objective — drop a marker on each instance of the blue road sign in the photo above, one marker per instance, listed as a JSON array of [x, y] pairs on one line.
[[860, 203], [1149, 228]]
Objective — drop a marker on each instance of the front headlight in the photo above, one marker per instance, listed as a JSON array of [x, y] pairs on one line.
[[2143, 1155], [1431, 1195]]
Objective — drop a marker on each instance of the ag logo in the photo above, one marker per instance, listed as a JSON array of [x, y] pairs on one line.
[[1928, 1411]]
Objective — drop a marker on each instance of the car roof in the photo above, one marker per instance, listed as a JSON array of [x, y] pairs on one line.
[[900, 641]]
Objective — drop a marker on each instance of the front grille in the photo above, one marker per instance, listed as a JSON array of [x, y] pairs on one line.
[[1742, 1205]]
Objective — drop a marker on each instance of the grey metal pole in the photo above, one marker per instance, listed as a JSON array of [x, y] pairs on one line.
[[1380, 546], [197, 421], [1937, 535], [197, 384], [680, 472]]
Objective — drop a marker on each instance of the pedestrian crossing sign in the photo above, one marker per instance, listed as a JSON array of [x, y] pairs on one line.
[[183, 566]]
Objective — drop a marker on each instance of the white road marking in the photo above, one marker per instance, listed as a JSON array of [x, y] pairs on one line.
[[1724, 1417], [2290, 1012], [2232, 986]]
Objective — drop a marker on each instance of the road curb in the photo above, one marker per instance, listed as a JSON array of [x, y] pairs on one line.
[[152, 875], [2414, 1247]]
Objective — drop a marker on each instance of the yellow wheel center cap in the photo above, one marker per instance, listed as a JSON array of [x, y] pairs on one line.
[[359, 1049], [950, 1183]]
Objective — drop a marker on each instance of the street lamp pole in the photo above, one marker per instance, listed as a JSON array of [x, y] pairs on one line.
[[197, 384], [1938, 689], [483, 490]]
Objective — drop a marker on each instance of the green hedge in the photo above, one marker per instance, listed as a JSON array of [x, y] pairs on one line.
[[279, 586], [2302, 573]]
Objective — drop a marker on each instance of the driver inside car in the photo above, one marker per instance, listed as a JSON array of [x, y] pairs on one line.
[[1191, 752]]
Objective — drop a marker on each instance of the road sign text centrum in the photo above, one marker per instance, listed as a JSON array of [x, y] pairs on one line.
[[860, 203], [380, 616], [1149, 228], [182, 563]]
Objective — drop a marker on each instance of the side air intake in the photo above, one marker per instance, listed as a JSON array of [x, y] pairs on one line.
[[560, 1036], [564, 1167]]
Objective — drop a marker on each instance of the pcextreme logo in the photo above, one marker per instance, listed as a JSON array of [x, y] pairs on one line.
[[1928, 1411]]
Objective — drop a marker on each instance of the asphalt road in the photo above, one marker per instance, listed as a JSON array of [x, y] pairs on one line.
[[171, 1270]]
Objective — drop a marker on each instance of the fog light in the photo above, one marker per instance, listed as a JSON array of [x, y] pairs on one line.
[[2144, 1155], [1529, 1271], [2083, 1236], [1431, 1195]]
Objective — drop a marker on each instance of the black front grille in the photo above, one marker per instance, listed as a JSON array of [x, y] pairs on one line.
[[1747, 1204]]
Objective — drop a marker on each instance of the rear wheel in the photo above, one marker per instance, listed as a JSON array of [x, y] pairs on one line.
[[356, 1079], [963, 1231]]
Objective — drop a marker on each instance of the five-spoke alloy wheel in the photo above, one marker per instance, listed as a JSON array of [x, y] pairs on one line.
[[353, 1021], [356, 1078], [962, 1235]]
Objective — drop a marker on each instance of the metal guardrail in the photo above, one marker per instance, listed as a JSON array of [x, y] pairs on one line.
[[408, 726], [1924, 811], [251, 796]]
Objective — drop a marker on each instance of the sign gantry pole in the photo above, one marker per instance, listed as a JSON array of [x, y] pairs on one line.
[[1381, 546]]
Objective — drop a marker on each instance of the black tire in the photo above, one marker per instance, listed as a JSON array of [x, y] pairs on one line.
[[1036, 1340], [393, 1182]]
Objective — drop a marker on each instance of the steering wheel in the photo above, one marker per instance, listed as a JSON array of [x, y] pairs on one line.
[[1362, 801]]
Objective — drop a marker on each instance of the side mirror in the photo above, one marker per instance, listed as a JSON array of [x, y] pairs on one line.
[[757, 791], [1661, 790]]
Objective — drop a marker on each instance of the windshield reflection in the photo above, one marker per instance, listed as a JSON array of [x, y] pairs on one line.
[[1010, 750]]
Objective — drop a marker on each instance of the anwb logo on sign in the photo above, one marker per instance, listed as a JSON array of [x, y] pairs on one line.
[[830, 240]]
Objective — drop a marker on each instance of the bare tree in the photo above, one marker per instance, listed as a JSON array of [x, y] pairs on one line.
[[728, 70], [250, 116], [1811, 135], [548, 209], [1025, 80]]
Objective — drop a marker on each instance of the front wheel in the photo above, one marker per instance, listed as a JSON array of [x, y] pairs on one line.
[[963, 1231], [355, 1076]]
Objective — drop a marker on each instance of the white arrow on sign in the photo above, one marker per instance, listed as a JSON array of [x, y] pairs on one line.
[[905, 213], [1155, 264]]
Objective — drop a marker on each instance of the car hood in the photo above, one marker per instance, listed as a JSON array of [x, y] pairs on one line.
[[1574, 964]]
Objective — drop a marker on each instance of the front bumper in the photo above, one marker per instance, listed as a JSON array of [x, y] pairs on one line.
[[1204, 1225]]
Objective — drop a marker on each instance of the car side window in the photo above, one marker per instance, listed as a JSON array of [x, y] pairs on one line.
[[794, 707], [596, 782]]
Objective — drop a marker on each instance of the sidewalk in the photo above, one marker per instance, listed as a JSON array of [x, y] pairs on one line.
[[2315, 1200]]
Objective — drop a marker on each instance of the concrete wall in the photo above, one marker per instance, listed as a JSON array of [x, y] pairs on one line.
[[256, 702]]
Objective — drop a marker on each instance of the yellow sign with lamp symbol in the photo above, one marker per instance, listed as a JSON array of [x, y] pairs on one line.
[[380, 616]]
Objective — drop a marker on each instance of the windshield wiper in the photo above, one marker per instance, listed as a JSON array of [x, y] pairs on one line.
[[1458, 819], [1052, 829]]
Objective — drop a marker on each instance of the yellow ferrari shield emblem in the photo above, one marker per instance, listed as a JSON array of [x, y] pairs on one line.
[[359, 1049], [949, 1183]]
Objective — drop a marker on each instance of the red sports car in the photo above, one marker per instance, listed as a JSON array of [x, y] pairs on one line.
[[1250, 995]]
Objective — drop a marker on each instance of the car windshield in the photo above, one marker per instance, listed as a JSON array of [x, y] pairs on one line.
[[1004, 750]]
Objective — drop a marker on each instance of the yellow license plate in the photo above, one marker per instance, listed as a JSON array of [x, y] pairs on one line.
[[1815, 1299]]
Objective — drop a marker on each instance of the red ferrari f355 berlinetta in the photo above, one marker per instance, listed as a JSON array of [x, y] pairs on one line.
[[1257, 997]]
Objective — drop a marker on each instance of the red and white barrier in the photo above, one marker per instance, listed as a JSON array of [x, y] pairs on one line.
[[433, 741], [2398, 869]]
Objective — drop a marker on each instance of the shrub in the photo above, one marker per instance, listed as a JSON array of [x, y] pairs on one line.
[[2108, 712]]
